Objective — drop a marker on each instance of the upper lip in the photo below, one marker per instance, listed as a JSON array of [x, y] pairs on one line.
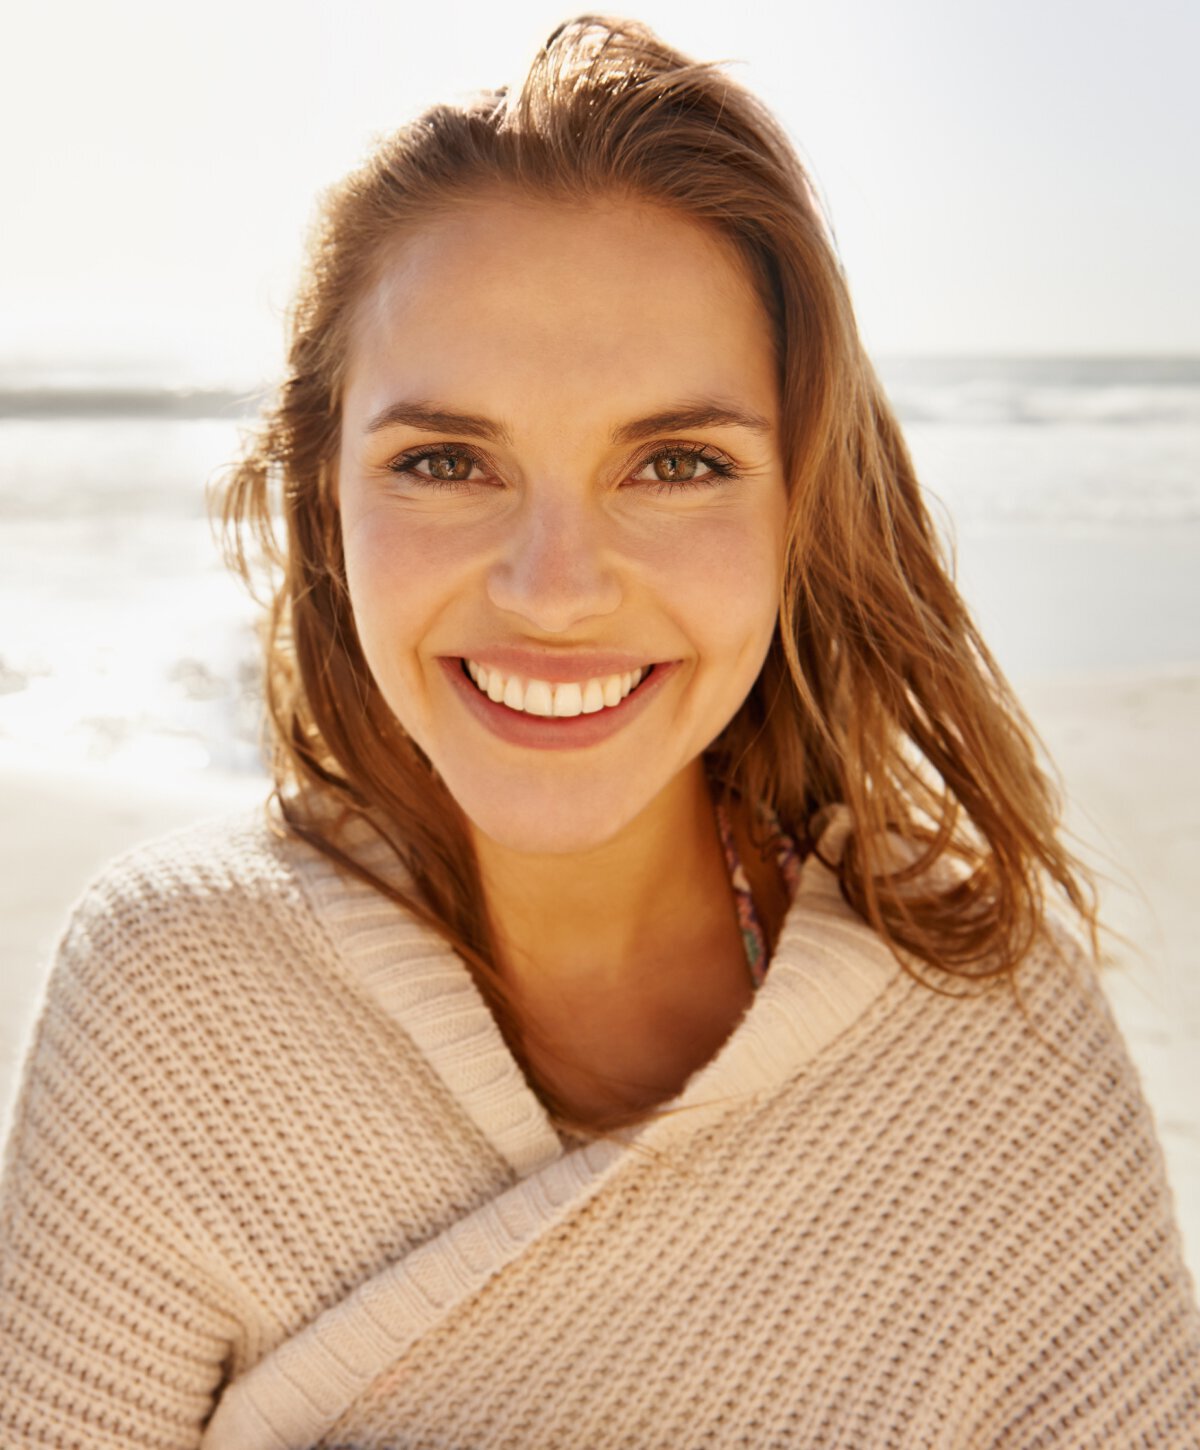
[[555, 668]]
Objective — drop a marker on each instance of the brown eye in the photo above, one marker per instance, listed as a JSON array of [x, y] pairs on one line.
[[675, 467], [682, 466], [450, 467]]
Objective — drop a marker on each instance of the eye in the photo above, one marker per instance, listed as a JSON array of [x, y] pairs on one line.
[[439, 467], [683, 465]]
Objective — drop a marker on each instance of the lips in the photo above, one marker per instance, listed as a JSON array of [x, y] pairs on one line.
[[550, 732]]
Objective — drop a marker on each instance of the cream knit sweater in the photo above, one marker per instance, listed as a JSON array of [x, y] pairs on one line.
[[273, 1171]]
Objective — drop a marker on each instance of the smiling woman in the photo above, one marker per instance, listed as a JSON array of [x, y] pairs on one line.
[[625, 511], [650, 1012]]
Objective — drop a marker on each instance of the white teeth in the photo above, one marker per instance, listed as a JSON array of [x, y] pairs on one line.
[[539, 697], [568, 700]]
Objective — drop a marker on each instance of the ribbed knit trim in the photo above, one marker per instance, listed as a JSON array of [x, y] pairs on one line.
[[301, 1389], [427, 989], [827, 968]]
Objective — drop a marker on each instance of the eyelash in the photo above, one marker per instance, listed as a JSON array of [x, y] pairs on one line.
[[721, 468]]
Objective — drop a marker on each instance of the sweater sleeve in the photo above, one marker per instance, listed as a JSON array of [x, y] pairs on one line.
[[113, 1328], [1095, 1338]]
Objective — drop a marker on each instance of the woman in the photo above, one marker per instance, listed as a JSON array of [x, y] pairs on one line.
[[645, 1018]]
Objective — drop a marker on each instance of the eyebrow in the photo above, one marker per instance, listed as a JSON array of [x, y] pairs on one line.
[[704, 414], [437, 420], [695, 415]]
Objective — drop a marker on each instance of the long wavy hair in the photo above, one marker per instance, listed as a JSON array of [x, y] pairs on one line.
[[877, 691]]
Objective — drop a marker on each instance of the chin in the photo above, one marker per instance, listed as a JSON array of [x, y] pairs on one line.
[[552, 822]]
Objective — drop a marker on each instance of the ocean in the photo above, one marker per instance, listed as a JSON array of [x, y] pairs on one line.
[[1068, 488]]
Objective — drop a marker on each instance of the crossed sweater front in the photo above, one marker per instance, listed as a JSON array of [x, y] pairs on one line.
[[275, 1180]]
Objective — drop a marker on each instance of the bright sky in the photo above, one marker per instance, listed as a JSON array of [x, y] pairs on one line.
[[1003, 175]]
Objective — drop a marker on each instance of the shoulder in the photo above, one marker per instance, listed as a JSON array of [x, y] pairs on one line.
[[1079, 1136], [1058, 990], [243, 853], [1049, 1043], [1021, 1084], [193, 967], [234, 858], [1090, 1313], [193, 905], [1091, 1104]]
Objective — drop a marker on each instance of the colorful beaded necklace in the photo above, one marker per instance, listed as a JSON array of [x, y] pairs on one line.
[[788, 857]]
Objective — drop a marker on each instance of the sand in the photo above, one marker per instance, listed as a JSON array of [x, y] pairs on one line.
[[1125, 746]]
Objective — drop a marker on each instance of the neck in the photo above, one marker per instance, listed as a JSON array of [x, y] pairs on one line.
[[594, 916]]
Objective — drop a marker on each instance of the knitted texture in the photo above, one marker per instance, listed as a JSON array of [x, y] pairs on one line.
[[272, 1155]]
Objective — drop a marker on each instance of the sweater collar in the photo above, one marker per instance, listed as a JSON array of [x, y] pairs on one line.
[[828, 968]]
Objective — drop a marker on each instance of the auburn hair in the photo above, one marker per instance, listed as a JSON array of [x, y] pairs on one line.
[[877, 691]]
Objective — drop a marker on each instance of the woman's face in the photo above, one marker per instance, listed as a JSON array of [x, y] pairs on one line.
[[560, 462]]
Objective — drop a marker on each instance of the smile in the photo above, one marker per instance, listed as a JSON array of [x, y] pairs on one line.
[[562, 715], [560, 701]]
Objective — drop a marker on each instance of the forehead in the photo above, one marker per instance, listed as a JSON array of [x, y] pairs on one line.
[[603, 301]]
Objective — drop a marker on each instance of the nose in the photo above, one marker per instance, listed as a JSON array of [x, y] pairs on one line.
[[554, 569]]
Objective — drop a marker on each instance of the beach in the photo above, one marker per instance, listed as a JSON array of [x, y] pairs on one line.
[[1124, 745]]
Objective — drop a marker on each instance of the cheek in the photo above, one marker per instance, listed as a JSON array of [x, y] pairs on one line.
[[723, 578], [397, 581], [394, 561]]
